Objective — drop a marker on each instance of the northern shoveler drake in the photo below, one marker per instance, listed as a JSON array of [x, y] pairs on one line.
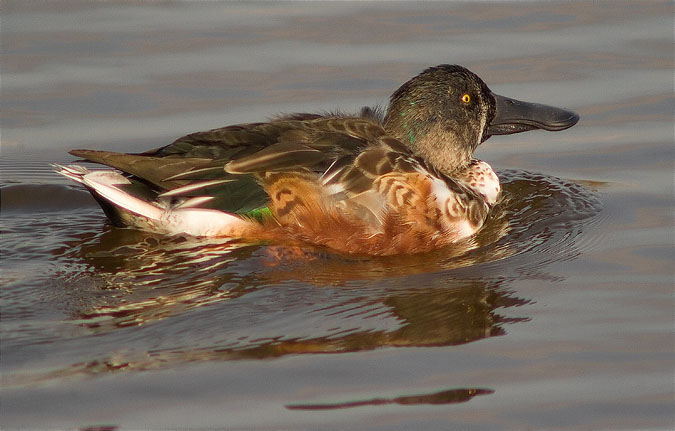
[[379, 183]]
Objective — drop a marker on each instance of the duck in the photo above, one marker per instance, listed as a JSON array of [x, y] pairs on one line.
[[380, 182]]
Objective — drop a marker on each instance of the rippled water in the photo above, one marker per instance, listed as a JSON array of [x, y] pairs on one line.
[[557, 315]]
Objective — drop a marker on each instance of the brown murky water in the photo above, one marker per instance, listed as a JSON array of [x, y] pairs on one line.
[[557, 315]]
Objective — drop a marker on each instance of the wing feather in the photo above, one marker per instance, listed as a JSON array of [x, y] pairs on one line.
[[283, 156], [229, 164]]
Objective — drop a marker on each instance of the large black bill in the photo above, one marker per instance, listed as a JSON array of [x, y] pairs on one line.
[[513, 116]]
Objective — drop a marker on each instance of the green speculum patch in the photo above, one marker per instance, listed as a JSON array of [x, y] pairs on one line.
[[259, 214]]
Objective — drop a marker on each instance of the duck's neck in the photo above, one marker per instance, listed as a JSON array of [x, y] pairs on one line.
[[436, 142]]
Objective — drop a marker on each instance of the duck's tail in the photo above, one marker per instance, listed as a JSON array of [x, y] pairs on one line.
[[128, 203]]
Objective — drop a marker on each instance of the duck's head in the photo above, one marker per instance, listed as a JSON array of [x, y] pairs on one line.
[[445, 112]]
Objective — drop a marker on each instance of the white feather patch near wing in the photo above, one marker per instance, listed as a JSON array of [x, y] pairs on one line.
[[200, 222]]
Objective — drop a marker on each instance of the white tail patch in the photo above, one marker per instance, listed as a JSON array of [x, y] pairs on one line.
[[182, 219], [105, 184]]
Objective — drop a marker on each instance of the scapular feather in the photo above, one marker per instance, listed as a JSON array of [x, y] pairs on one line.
[[277, 157]]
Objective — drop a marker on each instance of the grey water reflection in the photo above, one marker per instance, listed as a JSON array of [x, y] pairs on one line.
[[134, 281]]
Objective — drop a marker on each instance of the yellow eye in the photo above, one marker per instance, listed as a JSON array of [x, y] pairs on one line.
[[466, 98]]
